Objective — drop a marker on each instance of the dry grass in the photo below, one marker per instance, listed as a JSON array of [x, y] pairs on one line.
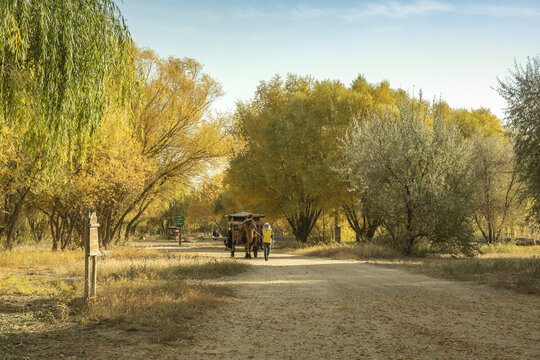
[[521, 274], [501, 265], [512, 249], [153, 290], [137, 289], [31, 258], [348, 251]]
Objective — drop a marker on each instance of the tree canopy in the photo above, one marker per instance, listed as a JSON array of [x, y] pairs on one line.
[[290, 131], [57, 60], [521, 90], [58, 56], [414, 174]]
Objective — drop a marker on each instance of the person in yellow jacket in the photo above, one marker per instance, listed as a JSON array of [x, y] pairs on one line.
[[268, 239]]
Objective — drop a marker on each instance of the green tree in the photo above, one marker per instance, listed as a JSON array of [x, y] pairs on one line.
[[290, 131], [521, 90], [415, 171], [148, 151], [357, 205], [494, 178], [56, 57], [170, 123], [112, 176]]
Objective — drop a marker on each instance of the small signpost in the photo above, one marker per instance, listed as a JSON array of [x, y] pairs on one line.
[[91, 254], [180, 223]]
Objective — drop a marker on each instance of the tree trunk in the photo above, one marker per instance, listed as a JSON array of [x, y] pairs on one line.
[[141, 211], [54, 230], [337, 230], [66, 239], [410, 244], [12, 217], [352, 219], [371, 229], [364, 231], [134, 227], [302, 223]]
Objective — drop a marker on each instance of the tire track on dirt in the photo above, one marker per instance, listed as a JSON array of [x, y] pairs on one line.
[[322, 308], [394, 313]]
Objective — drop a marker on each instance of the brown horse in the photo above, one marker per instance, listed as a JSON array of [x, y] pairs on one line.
[[248, 235]]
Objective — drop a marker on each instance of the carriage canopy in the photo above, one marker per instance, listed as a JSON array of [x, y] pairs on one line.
[[241, 216]]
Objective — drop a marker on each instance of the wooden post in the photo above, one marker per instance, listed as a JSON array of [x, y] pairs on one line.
[[179, 236], [86, 272], [94, 275], [179, 225], [91, 251]]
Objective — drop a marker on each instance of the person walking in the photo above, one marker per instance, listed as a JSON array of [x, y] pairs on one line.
[[268, 240]]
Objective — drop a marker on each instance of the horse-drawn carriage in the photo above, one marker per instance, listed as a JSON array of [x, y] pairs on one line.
[[244, 229]]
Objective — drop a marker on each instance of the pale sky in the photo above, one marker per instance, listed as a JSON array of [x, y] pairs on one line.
[[449, 49]]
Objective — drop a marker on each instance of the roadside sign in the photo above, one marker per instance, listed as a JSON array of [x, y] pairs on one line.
[[180, 220], [90, 258], [94, 240]]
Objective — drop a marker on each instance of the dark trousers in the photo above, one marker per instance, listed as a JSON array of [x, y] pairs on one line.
[[266, 248]]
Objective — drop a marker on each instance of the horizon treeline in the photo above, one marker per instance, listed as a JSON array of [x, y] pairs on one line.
[[105, 126]]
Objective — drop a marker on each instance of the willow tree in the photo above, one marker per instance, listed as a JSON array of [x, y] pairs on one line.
[[62, 52], [55, 58]]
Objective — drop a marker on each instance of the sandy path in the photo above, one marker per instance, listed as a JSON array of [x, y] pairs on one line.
[[295, 307]]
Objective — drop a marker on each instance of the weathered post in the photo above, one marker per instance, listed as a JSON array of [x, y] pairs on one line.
[[94, 276], [91, 251], [86, 270], [180, 224]]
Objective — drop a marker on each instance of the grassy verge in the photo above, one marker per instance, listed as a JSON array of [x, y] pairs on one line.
[[510, 249], [521, 274], [137, 290], [348, 251], [506, 266]]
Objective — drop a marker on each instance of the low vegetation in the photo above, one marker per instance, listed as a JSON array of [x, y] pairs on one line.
[[349, 251], [500, 265], [138, 290]]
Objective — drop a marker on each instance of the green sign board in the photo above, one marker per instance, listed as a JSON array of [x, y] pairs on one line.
[[180, 221]]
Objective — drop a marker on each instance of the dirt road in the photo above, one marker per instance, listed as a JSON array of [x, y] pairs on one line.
[[295, 307]]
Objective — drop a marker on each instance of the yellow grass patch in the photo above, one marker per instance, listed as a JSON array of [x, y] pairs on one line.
[[137, 289], [501, 265], [511, 249], [348, 251], [36, 259]]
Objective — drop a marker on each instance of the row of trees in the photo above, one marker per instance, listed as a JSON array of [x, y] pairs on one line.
[[90, 122], [421, 174]]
